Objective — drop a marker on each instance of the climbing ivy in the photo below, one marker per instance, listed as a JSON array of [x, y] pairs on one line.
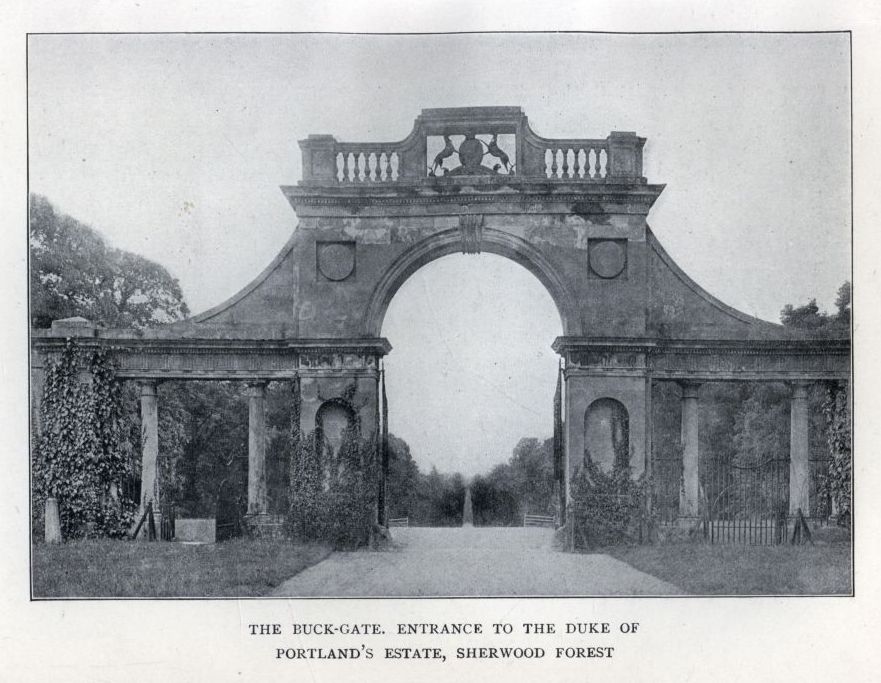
[[333, 496], [837, 482], [608, 508], [79, 459]]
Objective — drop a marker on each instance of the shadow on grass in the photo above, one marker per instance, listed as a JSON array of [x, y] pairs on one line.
[[703, 569], [117, 569]]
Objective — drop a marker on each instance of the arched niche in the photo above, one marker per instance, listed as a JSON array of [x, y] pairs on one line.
[[333, 419], [607, 434]]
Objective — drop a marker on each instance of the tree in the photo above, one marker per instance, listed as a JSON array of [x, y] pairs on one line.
[[842, 303], [809, 316], [532, 470], [806, 317], [74, 272], [403, 479]]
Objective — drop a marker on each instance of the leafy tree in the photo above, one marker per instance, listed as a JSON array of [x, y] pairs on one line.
[[806, 317], [842, 303], [532, 470], [809, 316], [74, 272], [403, 479], [203, 446]]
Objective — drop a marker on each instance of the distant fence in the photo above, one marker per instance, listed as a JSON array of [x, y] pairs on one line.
[[539, 520], [399, 521]]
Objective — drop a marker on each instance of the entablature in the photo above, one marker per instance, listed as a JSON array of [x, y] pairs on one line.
[[714, 360], [226, 359]]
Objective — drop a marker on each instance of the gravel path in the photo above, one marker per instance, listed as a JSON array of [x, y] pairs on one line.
[[471, 561]]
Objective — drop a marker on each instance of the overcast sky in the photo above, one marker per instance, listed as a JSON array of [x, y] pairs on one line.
[[174, 147]]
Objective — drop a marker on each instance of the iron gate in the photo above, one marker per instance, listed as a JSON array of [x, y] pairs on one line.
[[745, 502]]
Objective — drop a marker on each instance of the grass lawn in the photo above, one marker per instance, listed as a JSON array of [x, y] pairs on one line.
[[105, 568], [745, 570]]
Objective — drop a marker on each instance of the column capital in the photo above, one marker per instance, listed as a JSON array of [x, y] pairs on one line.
[[148, 386], [256, 389], [799, 388], [689, 388]]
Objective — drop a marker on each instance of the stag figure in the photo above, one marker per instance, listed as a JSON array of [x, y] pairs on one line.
[[498, 152], [445, 153]]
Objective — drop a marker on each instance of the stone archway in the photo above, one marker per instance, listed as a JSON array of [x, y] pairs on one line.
[[573, 211]]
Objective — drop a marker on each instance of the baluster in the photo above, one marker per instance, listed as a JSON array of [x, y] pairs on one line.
[[383, 167], [553, 164], [565, 167], [373, 162], [394, 165], [576, 167], [548, 163], [338, 164], [605, 163], [350, 167], [595, 164], [361, 164]]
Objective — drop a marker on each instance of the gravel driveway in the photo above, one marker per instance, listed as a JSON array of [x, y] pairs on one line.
[[471, 561]]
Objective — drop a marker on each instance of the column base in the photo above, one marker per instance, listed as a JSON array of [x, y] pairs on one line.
[[264, 525]]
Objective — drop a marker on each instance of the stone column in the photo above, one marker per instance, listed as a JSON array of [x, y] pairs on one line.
[[799, 450], [689, 505], [257, 448], [149, 446]]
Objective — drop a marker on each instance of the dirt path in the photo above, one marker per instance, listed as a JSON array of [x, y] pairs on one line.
[[481, 561]]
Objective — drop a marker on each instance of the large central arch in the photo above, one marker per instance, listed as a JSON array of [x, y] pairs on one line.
[[448, 242]]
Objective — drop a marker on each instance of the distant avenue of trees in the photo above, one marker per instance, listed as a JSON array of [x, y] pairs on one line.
[[499, 498]]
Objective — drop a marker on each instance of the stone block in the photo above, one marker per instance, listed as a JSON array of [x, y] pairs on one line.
[[52, 522], [195, 530]]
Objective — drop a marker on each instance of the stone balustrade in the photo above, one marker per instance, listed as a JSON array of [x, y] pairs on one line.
[[468, 145]]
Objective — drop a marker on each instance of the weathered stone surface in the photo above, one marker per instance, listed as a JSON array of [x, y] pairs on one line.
[[52, 522], [149, 447], [257, 502], [799, 451], [195, 530]]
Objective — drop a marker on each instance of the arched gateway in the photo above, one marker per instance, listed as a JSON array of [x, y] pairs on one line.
[[572, 211]]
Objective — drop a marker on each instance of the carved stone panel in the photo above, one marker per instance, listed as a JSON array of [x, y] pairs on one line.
[[474, 153], [607, 258], [336, 360], [336, 260]]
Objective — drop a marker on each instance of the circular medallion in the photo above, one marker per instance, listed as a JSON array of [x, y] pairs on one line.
[[471, 153], [336, 260], [607, 259]]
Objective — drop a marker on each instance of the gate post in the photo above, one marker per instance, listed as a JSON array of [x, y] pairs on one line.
[[149, 447], [257, 448], [799, 449], [690, 503]]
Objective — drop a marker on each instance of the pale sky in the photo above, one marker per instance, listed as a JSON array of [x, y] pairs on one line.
[[174, 147]]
